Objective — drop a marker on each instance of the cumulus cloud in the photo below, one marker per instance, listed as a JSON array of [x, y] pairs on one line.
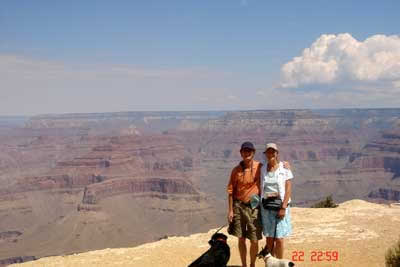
[[336, 59]]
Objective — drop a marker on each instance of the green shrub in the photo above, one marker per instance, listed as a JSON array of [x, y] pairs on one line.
[[327, 203], [392, 256]]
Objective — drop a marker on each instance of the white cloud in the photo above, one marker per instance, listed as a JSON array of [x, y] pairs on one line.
[[341, 59]]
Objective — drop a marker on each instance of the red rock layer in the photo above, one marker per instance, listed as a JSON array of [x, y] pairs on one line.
[[95, 192]]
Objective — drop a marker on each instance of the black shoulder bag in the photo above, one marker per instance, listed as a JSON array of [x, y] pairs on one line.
[[272, 203]]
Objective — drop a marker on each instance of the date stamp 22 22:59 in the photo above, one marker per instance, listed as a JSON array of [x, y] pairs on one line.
[[316, 255]]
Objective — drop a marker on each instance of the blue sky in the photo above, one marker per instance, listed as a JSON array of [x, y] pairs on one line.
[[99, 56]]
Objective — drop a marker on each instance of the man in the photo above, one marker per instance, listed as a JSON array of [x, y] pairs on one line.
[[246, 223]]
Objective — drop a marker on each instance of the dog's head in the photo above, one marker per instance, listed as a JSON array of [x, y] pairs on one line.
[[263, 253], [217, 237]]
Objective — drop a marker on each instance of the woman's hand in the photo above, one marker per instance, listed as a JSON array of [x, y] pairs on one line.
[[230, 216], [281, 213]]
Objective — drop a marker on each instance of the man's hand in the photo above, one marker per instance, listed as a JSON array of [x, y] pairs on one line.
[[286, 165], [230, 216]]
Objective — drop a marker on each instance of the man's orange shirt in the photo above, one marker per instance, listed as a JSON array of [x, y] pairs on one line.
[[243, 184]]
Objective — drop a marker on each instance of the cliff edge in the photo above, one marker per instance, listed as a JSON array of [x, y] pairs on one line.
[[357, 233]]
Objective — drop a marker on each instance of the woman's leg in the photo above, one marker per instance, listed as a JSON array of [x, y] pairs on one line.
[[279, 245], [270, 244]]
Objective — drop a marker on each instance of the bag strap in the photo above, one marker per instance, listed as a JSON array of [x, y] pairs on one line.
[[242, 166], [237, 180]]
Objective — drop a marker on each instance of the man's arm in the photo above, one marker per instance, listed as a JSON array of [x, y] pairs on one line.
[[286, 165], [231, 189], [230, 208]]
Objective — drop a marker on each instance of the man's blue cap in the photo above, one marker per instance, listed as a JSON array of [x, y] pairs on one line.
[[248, 145]]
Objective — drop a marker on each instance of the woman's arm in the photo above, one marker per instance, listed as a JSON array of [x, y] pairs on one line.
[[288, 192]]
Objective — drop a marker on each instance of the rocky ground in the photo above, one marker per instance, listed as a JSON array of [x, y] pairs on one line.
[[357, 233]]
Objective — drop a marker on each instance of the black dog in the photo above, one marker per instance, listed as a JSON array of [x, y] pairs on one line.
[[217, 256]]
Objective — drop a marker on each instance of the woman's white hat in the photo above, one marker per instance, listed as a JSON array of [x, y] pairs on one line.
[[272, 145]]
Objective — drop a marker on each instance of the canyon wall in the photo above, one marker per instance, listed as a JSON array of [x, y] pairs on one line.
[[119, 179]]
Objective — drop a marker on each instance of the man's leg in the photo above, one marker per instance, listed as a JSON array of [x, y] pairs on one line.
[[253, 252], [242, 250], [279, 248]]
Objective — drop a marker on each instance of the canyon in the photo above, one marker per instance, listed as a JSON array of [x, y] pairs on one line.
[[78, 182]]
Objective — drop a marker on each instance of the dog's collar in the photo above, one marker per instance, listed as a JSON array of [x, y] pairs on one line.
[[267, 256], [220, 239]]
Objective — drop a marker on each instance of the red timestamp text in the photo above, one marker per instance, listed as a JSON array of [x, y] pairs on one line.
[[316, 255]]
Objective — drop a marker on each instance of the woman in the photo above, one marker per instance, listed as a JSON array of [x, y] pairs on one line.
[[275, 182]]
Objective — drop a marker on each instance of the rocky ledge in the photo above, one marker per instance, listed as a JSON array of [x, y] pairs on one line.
[[95, 192], [385, 193], [8, 261], [356, 233], [57, 182]]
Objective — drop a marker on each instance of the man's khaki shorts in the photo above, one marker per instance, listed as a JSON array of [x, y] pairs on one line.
[[246, 221]]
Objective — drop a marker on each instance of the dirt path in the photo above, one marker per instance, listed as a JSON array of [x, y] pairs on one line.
[[357, 233]]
